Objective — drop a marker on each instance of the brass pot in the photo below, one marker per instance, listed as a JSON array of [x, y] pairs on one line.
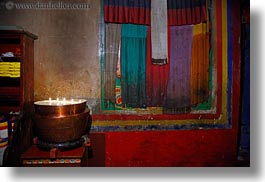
[[60, 129], [60, 108], [59, 121]]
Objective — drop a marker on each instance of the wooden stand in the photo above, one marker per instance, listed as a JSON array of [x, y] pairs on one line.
[[34, 157]]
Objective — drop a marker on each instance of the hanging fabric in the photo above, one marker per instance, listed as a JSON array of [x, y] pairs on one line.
[[200, 64], [133, 65], [111, 56], [159, 32], [127, 11], [178, 89], [118, 82], [186, 12], [156, 78]]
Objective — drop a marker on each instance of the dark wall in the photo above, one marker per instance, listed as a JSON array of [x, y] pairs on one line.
[[67, 50], [245, 77]]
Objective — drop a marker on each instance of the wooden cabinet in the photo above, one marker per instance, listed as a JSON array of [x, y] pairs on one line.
[[16, 90], [17, 83]]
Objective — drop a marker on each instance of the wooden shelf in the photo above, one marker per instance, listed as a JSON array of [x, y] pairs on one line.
[[9, 48], [9, 82], [11, 91], [10, 59], [9, 109]]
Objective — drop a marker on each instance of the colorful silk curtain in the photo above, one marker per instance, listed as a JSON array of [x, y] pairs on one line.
[[156, 78], [127, 11], [111, 57], [159, 32], [186, 12], [178, 98], [133, 65], [144, 82], [200, 64]]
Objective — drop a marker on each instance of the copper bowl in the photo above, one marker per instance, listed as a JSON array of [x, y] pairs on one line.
[[59, 121], [59, 129], [60, 107]]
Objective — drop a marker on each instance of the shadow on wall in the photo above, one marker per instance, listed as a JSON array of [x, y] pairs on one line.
[[66, 52]]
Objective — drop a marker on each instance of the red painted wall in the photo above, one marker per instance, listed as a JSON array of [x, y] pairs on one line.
[[207, 147], [171, 148]]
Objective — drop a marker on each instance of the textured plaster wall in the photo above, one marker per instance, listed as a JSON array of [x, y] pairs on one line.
[[67, 62]]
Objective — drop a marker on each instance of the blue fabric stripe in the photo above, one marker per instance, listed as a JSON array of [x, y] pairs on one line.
[[160, 127], [129, 3], [185, 4], [230, 59], [4, 140]]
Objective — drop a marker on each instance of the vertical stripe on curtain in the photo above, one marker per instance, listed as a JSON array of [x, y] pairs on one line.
[[127, 11], [118, 84], [133, 65], [112, 45], [186, 12], [178, 98], [200, 64], [156, 78], [159, 32]]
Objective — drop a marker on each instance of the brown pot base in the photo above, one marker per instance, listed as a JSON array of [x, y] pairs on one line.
[[61, 146]]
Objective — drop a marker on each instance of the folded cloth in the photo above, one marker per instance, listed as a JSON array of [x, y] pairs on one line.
[[8, 54], [159, 32]]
